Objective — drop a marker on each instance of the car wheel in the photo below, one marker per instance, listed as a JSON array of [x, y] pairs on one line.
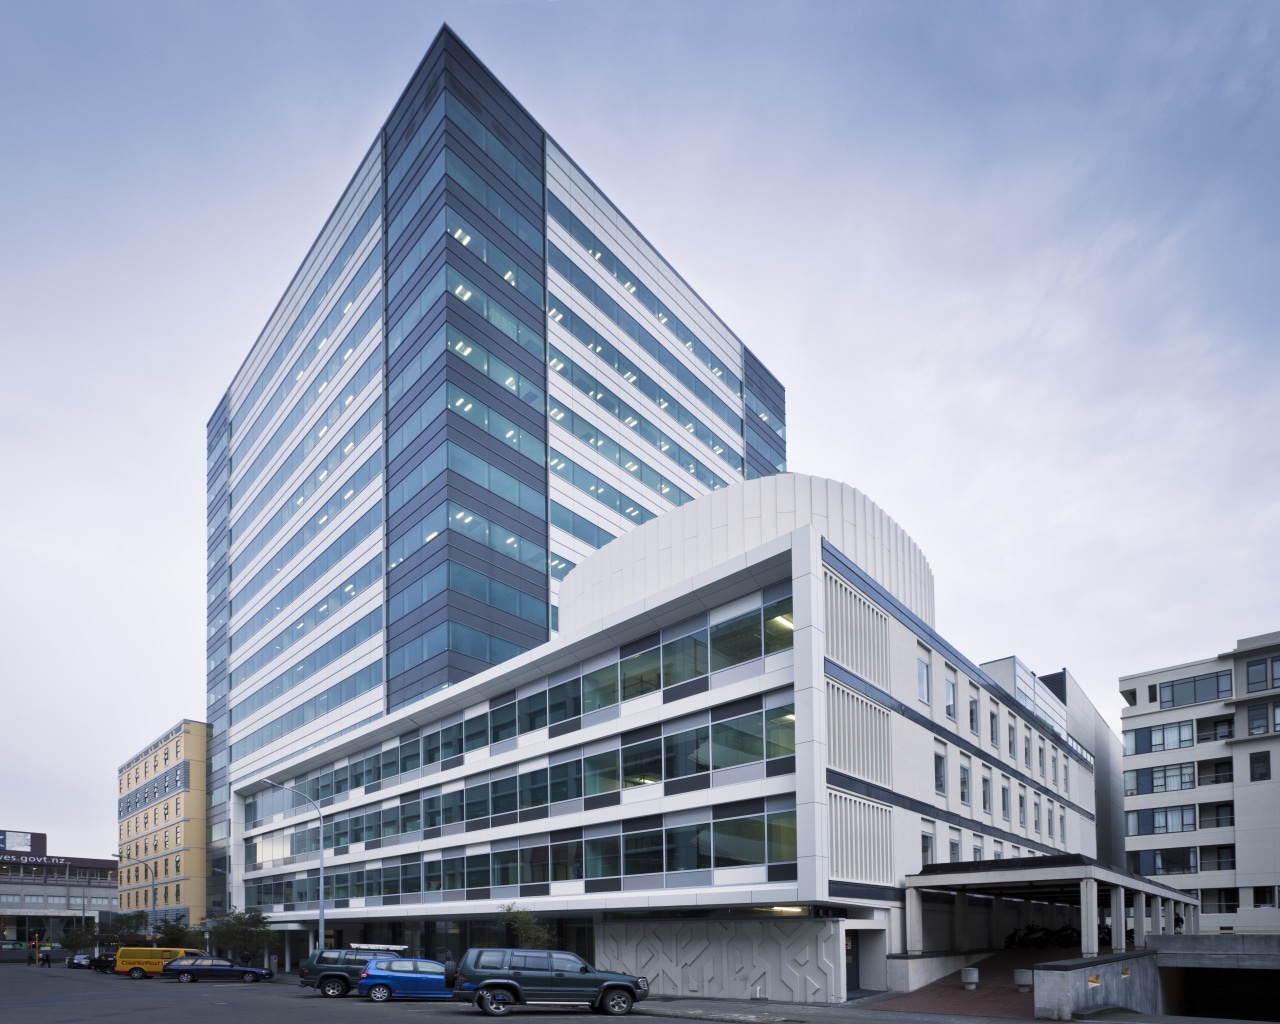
[[333, 987], [137, 974], [186, 976], [248, 977], [380, 993], [494, 1002], [616, 1002]]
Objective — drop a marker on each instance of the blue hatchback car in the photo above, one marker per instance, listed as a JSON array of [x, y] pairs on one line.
[[404, 979]]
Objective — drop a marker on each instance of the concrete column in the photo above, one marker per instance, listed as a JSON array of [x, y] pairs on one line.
[[1117, 919], [995, 938], [311, 942], [913, 918], [960, 923], [1168, 917], [1139, 920], [288, 949], [1088, 917]]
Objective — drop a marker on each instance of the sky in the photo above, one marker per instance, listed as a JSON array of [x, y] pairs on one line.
[[1016, 265]]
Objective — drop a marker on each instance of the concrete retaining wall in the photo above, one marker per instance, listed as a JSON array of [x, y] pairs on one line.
[[908, 973], [1247, 950], [1065, 988]]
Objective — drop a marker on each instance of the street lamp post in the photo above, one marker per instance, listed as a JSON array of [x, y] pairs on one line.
[[151, 916], [319, 811]]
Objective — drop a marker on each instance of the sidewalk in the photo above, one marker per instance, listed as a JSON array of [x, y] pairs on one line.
[[863, 1011], [733, 1011]]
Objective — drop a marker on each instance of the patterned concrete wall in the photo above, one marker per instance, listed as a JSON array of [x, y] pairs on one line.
[[799, 961]]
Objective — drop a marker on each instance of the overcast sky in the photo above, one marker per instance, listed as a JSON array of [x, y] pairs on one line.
[[1017, 266]]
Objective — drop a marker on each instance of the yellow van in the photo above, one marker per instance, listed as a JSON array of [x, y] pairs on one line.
[[148, 961]]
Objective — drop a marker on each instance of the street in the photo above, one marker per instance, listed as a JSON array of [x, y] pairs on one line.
[[57, 995], [34, 995]]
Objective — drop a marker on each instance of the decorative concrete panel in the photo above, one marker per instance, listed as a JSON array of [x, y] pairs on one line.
[[794, 961]]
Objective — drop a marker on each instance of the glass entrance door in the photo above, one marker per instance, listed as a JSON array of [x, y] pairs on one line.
[[851, 979]]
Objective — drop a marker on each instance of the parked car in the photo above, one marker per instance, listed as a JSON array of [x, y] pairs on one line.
[[404, 978], [495, 980], [208, 968], [147, 961], [81, 961], [103, 963], [334, 972]]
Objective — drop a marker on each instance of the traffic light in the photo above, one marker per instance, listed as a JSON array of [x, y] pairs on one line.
[[33, 944]]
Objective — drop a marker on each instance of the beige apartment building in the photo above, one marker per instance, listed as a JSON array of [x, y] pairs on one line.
[[161, 816]]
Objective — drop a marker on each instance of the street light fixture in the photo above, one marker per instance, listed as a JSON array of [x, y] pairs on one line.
[[319, 811], [147, 868]]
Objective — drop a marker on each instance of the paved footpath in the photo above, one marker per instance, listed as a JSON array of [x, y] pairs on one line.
[[863, 1011]]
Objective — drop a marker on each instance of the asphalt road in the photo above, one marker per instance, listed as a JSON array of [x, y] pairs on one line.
[[34, 995]]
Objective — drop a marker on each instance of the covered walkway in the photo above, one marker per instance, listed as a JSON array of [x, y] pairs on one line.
[[1075, 889]]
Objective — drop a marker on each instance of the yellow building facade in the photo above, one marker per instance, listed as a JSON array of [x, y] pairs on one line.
[[161, 816]]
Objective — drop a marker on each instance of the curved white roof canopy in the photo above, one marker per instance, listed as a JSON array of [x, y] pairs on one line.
[[727, 523]]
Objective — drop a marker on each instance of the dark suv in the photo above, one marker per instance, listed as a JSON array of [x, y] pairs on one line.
[[335, 972], [495, 980]]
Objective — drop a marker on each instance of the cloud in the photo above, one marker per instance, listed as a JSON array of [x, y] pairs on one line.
[[1015, 266]]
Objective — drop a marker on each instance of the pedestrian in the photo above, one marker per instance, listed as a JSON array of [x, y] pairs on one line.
[[44, 961], [31, 958]]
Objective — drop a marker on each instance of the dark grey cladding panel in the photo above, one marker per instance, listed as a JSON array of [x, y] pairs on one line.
[[759, 463], [763, 384], [466, 260], [472, 209], [450, 63], [421, 679], [430, 264], [171, 782], [219, 420], [495, 396]]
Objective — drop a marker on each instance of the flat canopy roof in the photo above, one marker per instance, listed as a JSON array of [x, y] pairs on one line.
[[1056, 878]]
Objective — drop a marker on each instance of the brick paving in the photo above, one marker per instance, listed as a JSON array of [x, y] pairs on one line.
[[995, 996]]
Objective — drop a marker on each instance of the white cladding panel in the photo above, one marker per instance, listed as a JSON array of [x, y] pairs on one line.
[[725, 525]]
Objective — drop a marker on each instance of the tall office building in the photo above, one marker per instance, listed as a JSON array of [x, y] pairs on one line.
[[481, 373], [1202, 807]]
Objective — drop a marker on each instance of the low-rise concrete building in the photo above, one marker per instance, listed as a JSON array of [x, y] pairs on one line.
[[43, 895], [721, 773]]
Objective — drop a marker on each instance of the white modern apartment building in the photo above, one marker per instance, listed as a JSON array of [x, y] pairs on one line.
[[720, 773], [1202, 807]]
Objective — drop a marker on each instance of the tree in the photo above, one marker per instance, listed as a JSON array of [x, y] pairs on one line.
[[175, 933], [131, 928], [240, 931], [78, 939], [529, 933]]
